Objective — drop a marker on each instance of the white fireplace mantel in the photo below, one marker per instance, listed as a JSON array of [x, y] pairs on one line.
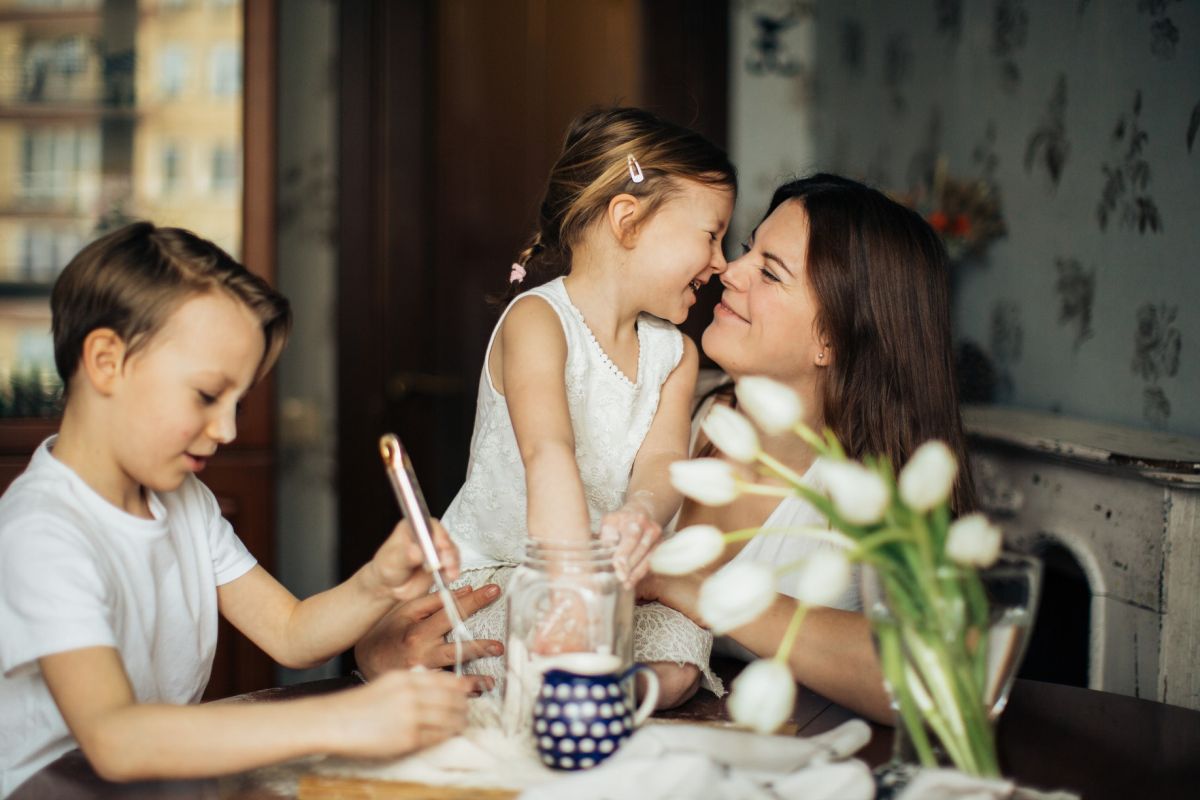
[[1126, 504]]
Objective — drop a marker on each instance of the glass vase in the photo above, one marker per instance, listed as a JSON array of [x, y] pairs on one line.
[[949, 645]]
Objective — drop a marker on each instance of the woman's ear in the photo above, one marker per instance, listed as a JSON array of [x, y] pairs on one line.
[[824, 356], [623, 214], [102, 359]]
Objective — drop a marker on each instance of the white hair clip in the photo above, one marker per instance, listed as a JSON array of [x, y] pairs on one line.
[[635, 169]]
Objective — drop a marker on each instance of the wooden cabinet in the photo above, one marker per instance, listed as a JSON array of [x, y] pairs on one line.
[[242, 475]]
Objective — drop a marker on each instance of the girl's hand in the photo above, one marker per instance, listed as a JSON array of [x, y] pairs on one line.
[[680, 592], [635, 533], [564, 628], [399, 712], [398, 564]]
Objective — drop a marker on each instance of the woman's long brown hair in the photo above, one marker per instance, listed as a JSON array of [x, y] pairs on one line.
[[879, 273]]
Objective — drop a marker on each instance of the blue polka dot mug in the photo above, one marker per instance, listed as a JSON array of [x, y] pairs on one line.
[[583, 712]]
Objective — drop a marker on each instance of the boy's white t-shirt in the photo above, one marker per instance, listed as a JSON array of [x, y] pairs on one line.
[[76, 572]]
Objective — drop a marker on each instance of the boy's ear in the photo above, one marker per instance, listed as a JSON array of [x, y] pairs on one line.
[[102, 358], [624, 213]]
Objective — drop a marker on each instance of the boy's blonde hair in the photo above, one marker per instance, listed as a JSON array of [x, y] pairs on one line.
[[594, 167], [134, 278]]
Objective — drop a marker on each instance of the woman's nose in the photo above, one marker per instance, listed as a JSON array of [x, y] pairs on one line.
[[734, 274]]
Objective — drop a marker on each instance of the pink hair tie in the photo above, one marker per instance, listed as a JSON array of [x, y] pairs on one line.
[[518, 273]]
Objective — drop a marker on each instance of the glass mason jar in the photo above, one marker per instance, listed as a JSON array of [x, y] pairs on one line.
[[563, 598]]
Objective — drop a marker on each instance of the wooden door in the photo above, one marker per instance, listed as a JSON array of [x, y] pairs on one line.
[[452, 114]]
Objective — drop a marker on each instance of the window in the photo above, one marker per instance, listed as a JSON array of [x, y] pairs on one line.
[[45, 251], [225, 70], [172, 168], [96, 131], [172, 70], [58, 163], [225, 176]]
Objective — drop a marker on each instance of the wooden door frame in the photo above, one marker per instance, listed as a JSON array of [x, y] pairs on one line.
[[384, 74], [242, 475]]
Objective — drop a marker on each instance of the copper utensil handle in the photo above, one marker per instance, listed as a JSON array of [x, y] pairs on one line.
[[412, 502]]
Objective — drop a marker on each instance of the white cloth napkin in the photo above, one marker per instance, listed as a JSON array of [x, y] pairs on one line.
[[697, 761], [949, 784]]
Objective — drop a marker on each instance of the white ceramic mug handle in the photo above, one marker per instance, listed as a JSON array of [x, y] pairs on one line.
[[651, 699]]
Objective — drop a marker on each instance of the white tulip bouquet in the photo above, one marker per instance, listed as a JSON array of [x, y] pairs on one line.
[[932, 646]]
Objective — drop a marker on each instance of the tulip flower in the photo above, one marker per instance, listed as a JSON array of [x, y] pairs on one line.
[[688, 550], [860, 495], [928, 477], [775, 407], [731, 433], [823, 578], [973, 541], [737, 594], [763, 695], [706, 480]]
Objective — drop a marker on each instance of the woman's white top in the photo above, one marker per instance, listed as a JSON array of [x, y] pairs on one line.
[[610, 416], [778, 549]]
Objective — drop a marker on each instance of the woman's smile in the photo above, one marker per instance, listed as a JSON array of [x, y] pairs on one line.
[[723, 310]]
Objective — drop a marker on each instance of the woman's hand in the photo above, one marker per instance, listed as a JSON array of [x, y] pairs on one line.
[[413, 634], [397, 713], [635, 533], [398, 564]]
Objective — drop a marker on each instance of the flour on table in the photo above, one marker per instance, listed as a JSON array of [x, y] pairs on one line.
[[482, 756]]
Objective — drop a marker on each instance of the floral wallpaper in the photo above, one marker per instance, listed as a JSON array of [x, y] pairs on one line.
[[1082, 115]]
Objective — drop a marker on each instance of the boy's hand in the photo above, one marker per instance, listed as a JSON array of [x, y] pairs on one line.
[[635, 533], [399, 712], [398, 564]]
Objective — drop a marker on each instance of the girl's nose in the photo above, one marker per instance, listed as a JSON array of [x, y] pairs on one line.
[[718, 263]]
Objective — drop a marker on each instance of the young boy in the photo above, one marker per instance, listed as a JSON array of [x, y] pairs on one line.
[[114, 558]]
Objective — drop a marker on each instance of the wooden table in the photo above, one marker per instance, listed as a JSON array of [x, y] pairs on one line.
[[1097, 744]]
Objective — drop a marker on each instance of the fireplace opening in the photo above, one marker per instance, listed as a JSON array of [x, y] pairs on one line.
[[1058, 650]]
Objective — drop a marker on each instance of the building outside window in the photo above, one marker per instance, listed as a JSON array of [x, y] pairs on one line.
[[93, 135]]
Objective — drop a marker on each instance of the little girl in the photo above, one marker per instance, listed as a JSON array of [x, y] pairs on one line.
[[586, 386]]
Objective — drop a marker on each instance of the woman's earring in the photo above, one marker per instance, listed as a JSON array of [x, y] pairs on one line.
[[821, 356]]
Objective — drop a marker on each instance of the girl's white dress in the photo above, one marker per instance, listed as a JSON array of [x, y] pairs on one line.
[[610, 416]]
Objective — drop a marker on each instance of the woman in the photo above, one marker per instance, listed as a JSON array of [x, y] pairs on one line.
[[842, 295]]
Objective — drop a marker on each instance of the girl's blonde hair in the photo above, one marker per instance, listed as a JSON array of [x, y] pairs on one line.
[[594, 167]]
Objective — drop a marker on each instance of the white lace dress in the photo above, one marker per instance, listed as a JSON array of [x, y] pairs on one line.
[[610, 416]]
